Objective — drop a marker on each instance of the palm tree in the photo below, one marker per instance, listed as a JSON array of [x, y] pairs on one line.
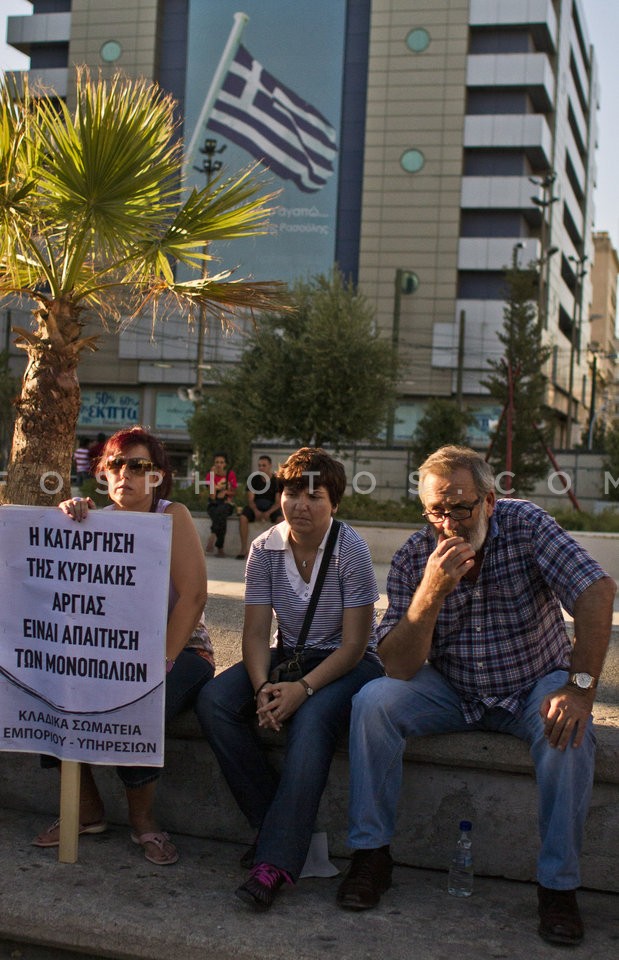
[[93, 222]]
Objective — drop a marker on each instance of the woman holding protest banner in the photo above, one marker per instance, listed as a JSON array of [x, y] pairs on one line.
[[136, 469]]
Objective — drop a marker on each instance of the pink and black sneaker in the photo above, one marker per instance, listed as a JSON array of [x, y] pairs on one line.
[[264, 882]]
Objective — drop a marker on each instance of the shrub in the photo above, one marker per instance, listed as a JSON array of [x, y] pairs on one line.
[[605, 522], [365, 507]]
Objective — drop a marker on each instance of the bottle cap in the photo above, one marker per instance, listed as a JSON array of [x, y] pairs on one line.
[[466, 825]]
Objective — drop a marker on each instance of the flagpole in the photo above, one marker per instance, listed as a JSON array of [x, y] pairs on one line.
[[228, 55]]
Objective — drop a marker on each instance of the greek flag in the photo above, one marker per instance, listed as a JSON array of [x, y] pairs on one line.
[[278, 128]]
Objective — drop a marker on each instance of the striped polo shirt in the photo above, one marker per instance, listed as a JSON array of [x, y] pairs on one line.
[[271, 576]]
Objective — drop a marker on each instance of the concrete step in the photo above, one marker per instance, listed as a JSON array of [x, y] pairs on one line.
[[112, 903], [487, 778]]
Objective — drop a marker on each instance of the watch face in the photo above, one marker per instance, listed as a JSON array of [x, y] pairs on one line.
[[583, 680]]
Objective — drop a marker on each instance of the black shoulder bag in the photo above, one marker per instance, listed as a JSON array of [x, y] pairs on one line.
[[292, 670]]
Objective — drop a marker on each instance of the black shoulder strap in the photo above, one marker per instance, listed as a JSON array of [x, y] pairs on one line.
[[320, 579]]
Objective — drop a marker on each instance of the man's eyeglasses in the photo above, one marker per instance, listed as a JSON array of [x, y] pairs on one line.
[[457, 513], [137, 465]]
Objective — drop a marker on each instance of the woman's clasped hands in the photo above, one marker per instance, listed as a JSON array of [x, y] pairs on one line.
[[277, 702]]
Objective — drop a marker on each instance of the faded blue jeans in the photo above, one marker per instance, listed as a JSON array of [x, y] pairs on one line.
[[387, 711], [282, 808]]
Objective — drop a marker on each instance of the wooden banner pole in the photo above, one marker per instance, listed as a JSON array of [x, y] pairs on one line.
[[69, 811]]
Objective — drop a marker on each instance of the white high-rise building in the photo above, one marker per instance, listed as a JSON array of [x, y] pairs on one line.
[[479, 150]]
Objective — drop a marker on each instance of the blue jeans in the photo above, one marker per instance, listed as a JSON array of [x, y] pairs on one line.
[[387, 711], [182, 686], [282, 808]]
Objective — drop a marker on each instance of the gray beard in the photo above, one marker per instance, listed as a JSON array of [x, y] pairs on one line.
[[476, 536]]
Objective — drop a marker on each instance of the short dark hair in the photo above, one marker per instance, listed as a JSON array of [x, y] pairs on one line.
[[264, 456], [313, 467]]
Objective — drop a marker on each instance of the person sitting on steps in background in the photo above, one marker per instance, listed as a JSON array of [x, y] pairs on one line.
[[222, 484], [263, 500]]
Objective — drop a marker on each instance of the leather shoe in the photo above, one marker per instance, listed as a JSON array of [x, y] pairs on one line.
[[369, 875], [560, 920], [247, 860]]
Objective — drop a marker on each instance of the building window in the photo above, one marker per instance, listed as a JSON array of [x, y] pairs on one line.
[[418, 40], [412, 161]]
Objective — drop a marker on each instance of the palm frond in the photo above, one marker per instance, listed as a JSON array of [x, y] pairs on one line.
[[95, 211], [226, 210], [111, 167], [222, 292]]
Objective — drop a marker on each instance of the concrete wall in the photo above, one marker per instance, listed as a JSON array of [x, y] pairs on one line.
[[384, 540]]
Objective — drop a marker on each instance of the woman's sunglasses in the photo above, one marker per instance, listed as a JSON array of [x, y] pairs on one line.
[[137, 465]]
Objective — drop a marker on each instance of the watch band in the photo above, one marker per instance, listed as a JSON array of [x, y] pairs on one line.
[[309, 690]]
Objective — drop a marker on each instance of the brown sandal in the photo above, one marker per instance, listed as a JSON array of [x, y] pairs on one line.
[[51, 836], [162, 842]]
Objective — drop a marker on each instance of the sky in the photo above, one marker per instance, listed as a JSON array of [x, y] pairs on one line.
[[602, 18]]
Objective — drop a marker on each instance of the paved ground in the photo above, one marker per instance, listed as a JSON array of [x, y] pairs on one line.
[[112, 903]]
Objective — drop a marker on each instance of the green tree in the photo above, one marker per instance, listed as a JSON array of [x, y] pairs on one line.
[[216, 425], [443, 422], [319, 374], [519, 375], [93, 222]]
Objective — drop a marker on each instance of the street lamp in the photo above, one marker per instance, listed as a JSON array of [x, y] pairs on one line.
[[406, 282], [575, 338], [210, 166], [516, 254]]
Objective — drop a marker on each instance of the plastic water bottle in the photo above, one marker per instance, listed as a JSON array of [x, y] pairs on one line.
[[460, 882]]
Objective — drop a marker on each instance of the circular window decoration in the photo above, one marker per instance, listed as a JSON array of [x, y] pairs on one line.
[[412, 161], [418, 40], [111, 51]]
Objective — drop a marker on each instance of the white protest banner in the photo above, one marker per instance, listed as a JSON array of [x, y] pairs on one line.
[[82, 635]]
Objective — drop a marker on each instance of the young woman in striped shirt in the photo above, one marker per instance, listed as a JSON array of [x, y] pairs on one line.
[[338, 659]]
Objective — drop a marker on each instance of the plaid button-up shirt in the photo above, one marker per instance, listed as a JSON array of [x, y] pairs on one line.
[[495, 637]]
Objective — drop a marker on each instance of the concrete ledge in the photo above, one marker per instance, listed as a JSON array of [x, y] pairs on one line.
[[384, 539], [485, 777]]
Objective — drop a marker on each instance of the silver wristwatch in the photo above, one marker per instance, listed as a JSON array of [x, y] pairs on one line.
[[584, 681]]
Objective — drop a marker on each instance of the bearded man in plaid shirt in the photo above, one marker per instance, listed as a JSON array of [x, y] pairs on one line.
[[474, 639]]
